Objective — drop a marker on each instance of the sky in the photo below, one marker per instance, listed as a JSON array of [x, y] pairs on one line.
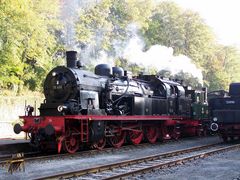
[[223, 16]]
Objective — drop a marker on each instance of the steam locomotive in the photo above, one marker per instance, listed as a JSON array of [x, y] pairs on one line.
[[83, 108], [225, 113]]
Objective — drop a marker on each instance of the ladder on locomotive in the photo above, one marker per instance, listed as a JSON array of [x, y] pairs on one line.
[[84, 130]]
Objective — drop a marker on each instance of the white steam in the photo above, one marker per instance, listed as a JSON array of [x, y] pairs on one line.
[[89, 56], [104, 59], [69, 15], [157, 56], [160, 57]]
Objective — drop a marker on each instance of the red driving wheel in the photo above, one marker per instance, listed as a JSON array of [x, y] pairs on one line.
[[152, 134], [100, 144], [118, 139], [71, 142], [135, 136]]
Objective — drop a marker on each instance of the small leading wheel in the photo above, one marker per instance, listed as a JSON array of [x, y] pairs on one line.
[[135, 136], [118, 139], [100, 144], [151, 134], [71, 142]]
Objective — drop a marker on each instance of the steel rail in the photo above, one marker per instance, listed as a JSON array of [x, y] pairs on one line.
[[33, 156], [36, 155], [173, 162], [101, 168], [6, 157]]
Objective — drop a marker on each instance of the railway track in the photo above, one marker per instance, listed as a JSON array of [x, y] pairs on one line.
[[4, 158], [138, 166], [37, 156]]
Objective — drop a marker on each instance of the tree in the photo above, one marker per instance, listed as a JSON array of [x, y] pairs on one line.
[[166, 27], [198, 38], [105, 26], [184, 31], [93, 27], [186, 78], [187, 33], [27, 41], [222, 67]]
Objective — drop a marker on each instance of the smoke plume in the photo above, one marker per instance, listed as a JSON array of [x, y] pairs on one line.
[[160, 57]]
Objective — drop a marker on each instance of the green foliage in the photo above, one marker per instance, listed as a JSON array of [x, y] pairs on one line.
[[27, 41], [107, 22], [222, 67], [165, 74], [93, 22], [186, 78], [198, 38], [121, 62], [184, 31], [166, 27], [135, 68], [30, 37], [188, 34]]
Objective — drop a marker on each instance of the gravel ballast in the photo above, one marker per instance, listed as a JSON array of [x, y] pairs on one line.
[[37, 168], [221, 166]]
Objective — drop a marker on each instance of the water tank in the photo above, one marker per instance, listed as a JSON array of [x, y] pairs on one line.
[[103, 70]]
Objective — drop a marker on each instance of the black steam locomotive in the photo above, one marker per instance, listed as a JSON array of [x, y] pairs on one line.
[[85, 108], [225, 113]]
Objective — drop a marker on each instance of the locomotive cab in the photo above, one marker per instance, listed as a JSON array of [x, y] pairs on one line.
[[199, 104]]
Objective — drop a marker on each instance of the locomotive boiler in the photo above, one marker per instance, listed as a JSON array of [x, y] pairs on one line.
[[82, 108]]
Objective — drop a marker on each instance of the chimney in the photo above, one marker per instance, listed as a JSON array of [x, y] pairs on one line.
[[71, 57]]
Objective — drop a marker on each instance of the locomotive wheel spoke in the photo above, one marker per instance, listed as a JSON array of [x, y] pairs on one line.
[[71, 143], [118, 140], [151, 134], [135, 136], [100, 144]]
